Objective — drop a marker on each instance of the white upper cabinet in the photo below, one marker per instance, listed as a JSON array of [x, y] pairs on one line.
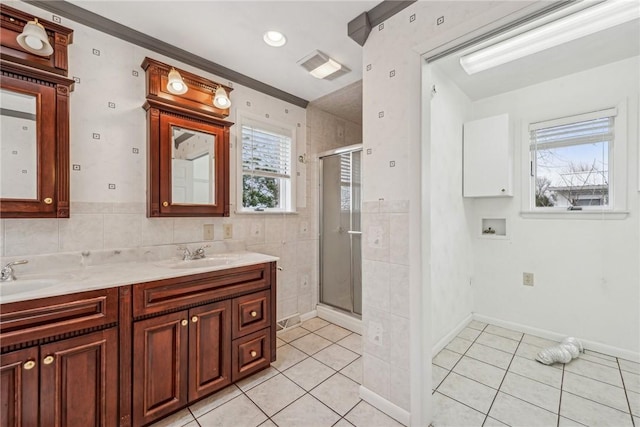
[[487, 158]]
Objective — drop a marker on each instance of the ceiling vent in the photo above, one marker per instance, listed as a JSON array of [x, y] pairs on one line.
[[321, 66]]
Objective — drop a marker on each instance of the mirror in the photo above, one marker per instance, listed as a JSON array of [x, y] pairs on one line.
[[193, 165], [18, 146], [188, 146]]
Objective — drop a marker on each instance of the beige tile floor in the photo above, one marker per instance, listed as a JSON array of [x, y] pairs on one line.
[[313, 383], [488, 376]]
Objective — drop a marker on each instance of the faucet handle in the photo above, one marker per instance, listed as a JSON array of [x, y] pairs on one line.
[[6, 274]]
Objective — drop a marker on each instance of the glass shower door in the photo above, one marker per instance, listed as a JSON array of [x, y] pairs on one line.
[[340, 241]]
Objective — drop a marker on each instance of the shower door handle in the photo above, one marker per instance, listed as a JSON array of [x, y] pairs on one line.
[[354, 232]]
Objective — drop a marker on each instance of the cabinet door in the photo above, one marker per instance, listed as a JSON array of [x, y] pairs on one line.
[[79, 381], [487, 157], [209, 348], [160, 357], [19, 392]]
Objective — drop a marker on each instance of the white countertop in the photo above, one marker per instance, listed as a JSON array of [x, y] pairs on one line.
[[40, 284]]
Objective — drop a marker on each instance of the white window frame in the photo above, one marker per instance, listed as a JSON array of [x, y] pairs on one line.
[[287, 202], [616, 209]]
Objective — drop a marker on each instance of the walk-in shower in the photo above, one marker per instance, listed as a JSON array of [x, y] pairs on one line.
[[340, 233]]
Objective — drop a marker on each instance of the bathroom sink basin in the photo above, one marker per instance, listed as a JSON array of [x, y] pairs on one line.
[[30, 283], [210, 261]]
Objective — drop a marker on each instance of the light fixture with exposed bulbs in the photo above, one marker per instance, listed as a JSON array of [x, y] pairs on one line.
[[34, 39], [221, 99], [175, 84], [274, 38]]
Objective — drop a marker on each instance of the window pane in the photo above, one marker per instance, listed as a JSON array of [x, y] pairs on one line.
[[576, 175], [260, 192]]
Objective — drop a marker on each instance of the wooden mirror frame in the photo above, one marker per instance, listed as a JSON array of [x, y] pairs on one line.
[[193, 110], [43, 77]]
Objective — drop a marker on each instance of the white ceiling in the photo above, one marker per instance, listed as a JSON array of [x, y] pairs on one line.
[[604, 47], [230, 33]]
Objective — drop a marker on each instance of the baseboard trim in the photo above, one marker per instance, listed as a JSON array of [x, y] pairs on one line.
[[340, 319], [394, 411], [555, 336], [455, 331], [309, 315]]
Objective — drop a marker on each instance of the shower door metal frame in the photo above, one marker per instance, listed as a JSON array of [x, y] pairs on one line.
[[351, 232]]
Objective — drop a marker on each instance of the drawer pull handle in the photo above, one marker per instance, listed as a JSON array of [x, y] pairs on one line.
[[253, 353], [29, 364], [48, 360], [194, 319], [254, 314], [184, 322]]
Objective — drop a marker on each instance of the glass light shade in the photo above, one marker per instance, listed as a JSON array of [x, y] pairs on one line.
[[221, 99], [34, 39], [175, 83], [274, 38], [326, 69]]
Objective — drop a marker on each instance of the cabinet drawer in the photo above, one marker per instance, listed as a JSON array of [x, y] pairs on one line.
[[35, 319], [250, 313], [161, 295], [250, 354]]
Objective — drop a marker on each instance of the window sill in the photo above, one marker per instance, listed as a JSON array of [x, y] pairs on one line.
[[586, 214], [265, 213]]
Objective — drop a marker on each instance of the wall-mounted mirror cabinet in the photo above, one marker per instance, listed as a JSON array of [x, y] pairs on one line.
[[34, 121], [188, 144]]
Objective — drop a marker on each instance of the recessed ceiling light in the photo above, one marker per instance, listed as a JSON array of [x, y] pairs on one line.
[[274, 38]]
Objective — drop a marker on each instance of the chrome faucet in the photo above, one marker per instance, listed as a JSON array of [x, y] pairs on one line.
[[187, 255], [7, 274]]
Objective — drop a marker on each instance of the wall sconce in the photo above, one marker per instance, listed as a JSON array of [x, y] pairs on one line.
[[176, 85], [34, 39], [221, 99]]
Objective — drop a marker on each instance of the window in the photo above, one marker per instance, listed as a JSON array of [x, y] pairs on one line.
[[266, 182], [571, 165]]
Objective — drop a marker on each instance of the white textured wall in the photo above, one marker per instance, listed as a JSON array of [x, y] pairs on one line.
[[451, 243], [109, 147], [586, 275], [393, 176]]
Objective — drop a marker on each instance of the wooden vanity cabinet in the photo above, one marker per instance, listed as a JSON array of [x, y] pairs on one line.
[[59, 361], [182, 356], [195, 335]]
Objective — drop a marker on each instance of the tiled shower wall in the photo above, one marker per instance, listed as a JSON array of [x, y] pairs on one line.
[[108, 175]]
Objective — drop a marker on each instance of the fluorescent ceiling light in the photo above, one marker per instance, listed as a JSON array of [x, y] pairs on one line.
[[326, 69], [274, 38], [580, 24]]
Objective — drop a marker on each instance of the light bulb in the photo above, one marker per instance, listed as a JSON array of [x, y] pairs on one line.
[[34, 42]]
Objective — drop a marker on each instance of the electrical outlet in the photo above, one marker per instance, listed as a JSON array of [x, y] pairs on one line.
[[207, 232], [227, 231], [527, 279]]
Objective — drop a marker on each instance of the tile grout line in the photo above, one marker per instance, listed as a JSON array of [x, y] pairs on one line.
[[502, 382], [633, 422], [561, 390], [458, 361]]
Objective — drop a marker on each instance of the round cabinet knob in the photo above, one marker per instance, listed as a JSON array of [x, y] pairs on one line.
[[503, 190], [48, 201], [48, 360], [194, 319], [184, 322], [253, 353], [29, 364], [165, 204], [254, 314]]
